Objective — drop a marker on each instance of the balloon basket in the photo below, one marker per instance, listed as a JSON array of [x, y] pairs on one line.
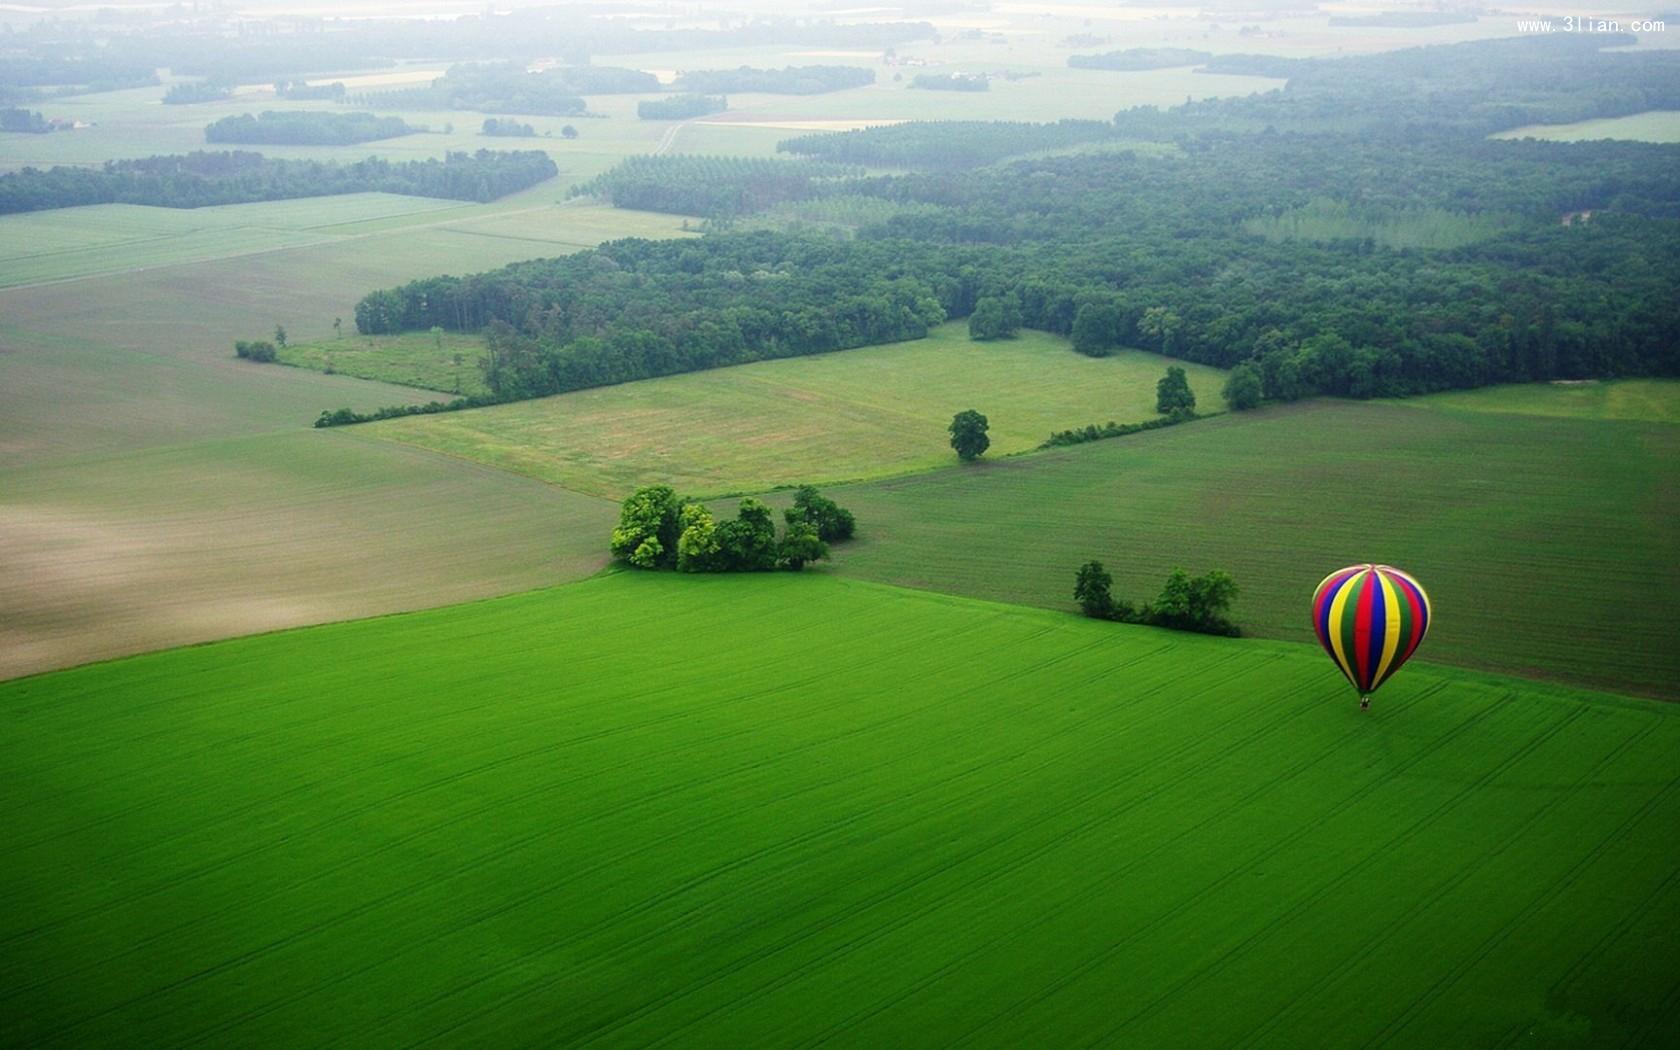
[[1364, 703]]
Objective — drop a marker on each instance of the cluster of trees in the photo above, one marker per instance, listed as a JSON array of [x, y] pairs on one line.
[[1140, 58], [23, 120], [680, 107], [508, 87], [713, 187], [305, 128], [1186, 603], [188, 92], [951, 82], [945, 144], [194, 180], [49, 71], [794, 80], [507, 128], [658, 529], [303, 91], [260, 351]]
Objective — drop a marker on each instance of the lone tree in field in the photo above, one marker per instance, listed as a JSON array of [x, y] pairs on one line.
[[968, 435], [1173, 395], [1243, 389], [280, 336]]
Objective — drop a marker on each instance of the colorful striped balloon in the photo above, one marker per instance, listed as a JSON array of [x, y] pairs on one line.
[[1370, 619]]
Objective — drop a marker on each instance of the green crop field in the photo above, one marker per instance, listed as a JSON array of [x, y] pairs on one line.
[[418, 359], [1502, 516], [784, 810], [852, 414], [1646, 400], [1658, 125]]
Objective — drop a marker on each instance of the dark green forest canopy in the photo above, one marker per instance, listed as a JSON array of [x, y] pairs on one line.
[[695, 184], [194, 180], [1117, 249]]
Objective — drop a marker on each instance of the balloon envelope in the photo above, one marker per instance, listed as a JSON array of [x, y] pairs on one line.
[[1370, 619]]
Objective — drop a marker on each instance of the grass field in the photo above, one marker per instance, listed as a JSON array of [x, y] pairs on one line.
[[417, 359], [112, 555], [1506, 518], [1658, 125], [861, 413], [783, 810], [1644, 400]]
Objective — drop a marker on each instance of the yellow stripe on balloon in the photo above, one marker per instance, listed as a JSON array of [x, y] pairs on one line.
[[1337, 605], [1391, 625]]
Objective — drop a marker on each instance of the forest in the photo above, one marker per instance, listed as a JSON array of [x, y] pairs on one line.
[[305, 128], [195, 180], [507, 87], [1187, 253], [945, 144], [794, 80]]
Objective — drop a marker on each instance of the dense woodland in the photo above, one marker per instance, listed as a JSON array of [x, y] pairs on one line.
[[13, 119], [195, 180], [305, 128], [29, 76], [507, 87], [794, 80], [681, 107], [714, 187], [1155, 250], [945, 144]]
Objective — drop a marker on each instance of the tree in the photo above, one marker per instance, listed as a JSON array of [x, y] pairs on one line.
[[832, 521], [568, 132], [1091, 590], [748, 544], [1173, 395], [338, 328], [280, 336], [994, 317], [968, 434], [697, 546], [1243, 388], [1161, 325], [1195, 603], [1096, 329], [647, 531], [801, 544]]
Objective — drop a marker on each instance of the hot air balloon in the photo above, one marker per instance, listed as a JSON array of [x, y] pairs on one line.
[[1370, 619]]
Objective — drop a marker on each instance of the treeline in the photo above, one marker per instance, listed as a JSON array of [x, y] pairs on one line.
[[505, 128], [944, 144], [1140, 58], [195, 180], [23, 120], [507, 87], [1186, 603], [1405, 19], [711, 187], [190, 92], [31, 75], [658, 529], [794, 80], [305, 128], [951, 82], [637, 309], [680, 107]]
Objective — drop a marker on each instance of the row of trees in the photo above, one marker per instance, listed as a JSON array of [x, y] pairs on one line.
[[508, 87], [189, 92], [681, 107], [658, 529], [194, 180], [305, 128], [1186, 603], [794, 80], [951, 82], [1140, 58], [506, 127]]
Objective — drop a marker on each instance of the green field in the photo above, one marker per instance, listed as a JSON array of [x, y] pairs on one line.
[[117, 554], [1644, 400], [781, 810], [418, 359], [853, 414], [1548, 544], [1658, 125]]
